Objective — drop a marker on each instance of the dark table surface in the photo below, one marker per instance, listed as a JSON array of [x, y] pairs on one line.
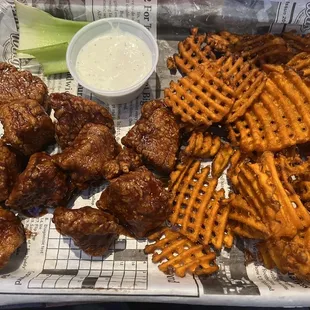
[[140, 306]]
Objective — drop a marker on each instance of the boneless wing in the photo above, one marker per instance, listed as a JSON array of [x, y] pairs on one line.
[[12, 235], [155, 136], [73, 112], [41, 184], [16, 84], [138, 200], [27, 127], [92, 230], [86, 158], [9, 168], [127, 160]]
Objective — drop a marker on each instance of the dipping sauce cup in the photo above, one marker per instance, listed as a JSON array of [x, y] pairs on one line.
[[99, 28]]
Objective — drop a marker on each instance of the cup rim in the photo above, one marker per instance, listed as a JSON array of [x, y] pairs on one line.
[[110, 93]]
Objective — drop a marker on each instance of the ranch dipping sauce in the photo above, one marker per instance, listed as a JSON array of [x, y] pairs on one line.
[[114, 61]]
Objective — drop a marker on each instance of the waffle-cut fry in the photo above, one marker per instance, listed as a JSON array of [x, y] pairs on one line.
[[214, 228], [197, 211], [200, 98], [235, 161], [171, 63], [221, 160], [263, 49], [280, 119], [245, 221], [278, 208], [202, 145], [288, 255], [222, 41], [277, 55], [302, 188], [294, 174], [192, 52], [296, 41], [307, 206], [244, 101], [244, 231], [246, 79], [292, 169], [301, 62], [293, 164], [178, 255], [191, 191], [264, 255], [272, 68]]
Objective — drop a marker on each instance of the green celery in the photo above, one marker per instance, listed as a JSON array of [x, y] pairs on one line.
[[52, 57], [39, 29]]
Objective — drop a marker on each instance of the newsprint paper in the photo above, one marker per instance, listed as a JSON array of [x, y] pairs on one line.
[[49, 268]]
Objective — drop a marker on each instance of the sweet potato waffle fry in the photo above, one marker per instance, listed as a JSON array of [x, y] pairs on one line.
[[301, 63], [302, 189], [202, 145], [263, 49], [192, 191], [200, 98], [244, 79], [280, 118], [171, 64], [222, 41], [196, 208], [221, 160], [297, 42], [248, 82], [294, 174], [264, 84], [268, 68], [280, 209], [245, 221], [192, 52], [288, 255], [214, 228], [236, 161], [178, 255]]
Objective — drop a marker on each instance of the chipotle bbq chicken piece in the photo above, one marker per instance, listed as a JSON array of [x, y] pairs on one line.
[[26, 125], [85, 159], [156, 136], [127, 160], [10, 167], [12, 235], [73, 112], [92, 230], [16, 84], [41, 184], [138, 200]]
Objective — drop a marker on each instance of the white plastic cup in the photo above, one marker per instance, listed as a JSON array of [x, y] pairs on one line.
[[98, 28]]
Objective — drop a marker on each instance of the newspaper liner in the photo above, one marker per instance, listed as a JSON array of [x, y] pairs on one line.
[[49, 268]]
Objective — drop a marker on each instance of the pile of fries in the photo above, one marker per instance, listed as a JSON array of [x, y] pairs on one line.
[[257, 88]]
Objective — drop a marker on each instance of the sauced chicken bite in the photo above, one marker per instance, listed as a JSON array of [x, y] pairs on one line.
[[73, 112], [26, 125], [92, 230], [9, 168], [138, 200], [127, 160], [12, 235], [85, 159], [156, 136], [41, 184], [16, 84]]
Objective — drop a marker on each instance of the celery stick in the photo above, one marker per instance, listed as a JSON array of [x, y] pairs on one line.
[[52, 57], [38, 28]]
